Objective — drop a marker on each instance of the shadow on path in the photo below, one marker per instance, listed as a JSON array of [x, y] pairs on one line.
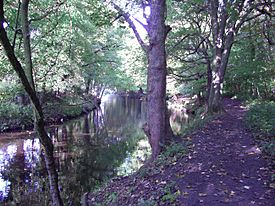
[[226, 167]]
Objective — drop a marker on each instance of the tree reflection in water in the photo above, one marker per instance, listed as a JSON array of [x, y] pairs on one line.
[[107, 142]]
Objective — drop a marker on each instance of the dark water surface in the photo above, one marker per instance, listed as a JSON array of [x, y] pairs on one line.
[[89, 150]]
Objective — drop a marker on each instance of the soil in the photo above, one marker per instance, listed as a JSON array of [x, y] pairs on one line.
[[223, 167]]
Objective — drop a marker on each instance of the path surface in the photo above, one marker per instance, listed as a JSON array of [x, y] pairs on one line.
[[225, 167]]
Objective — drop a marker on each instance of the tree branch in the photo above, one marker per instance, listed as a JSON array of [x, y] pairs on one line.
[[142, 24], [49, 11], [127, 18], [103, 61], [16, 64], [16, 25]]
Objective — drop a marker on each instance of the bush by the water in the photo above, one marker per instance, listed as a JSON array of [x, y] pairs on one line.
[[260, 119], [14, 116], [62, 108], [17, 116]]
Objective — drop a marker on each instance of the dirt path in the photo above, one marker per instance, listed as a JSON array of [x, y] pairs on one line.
[[224, 168]]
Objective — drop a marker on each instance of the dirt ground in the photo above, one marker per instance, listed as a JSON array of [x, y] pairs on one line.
[[223, 167]]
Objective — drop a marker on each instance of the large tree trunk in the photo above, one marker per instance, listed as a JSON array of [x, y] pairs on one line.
[[224, 26], [156, 82], [29, 88], [223, 41], [158, 127], [220, 64]]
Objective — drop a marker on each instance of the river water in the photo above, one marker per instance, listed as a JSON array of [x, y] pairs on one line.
[[89, 150]]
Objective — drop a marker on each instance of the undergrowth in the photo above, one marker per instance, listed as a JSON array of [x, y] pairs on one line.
[[14, 116], [197, 122], [260, 119]]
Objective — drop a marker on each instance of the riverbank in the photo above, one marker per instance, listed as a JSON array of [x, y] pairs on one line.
[[15, 117], [222, 166]]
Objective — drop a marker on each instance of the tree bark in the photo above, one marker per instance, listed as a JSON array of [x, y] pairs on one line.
[[26, 41], [223, 39], [156, 82], [219, 67], [39, 123], [158, 127], [224, 28]]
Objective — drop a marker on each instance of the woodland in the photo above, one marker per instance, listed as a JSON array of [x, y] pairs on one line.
[[207, 58]]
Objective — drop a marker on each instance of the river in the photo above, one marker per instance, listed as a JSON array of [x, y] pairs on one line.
[[89, 150]]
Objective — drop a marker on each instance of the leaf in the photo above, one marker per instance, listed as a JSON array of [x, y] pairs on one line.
[[185, 193], [247, 187], [272, 185], [202, 194]]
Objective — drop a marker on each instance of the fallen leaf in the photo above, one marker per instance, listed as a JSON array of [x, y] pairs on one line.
[[185, 193], [232, 193], [246, 187], [202, 194]]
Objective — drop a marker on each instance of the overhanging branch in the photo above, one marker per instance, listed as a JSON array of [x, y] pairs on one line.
[[127, 18]]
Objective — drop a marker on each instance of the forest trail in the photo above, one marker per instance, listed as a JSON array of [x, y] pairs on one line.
[[224, 167]]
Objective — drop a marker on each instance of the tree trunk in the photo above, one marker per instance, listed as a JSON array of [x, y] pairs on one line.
[[26, 41], [209, 78], [158, 126], [220, 64], [28, 85], [222, 46], [156, 82]]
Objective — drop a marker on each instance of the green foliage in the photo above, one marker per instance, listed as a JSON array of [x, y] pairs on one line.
[[13, 116], [142, 202], [169, 195], [8, 90], [62, 108], [251, 67], [175, 150], [74, 44], [260, 118], [64, 111]]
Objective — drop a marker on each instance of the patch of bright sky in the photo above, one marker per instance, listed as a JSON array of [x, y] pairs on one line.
[[136, 12], [139, 16], [5, 25]]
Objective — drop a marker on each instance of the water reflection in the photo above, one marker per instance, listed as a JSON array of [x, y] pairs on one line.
[[89, 150]]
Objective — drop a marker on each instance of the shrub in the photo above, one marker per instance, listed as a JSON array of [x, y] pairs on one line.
[[13, 116], [260, 119]]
